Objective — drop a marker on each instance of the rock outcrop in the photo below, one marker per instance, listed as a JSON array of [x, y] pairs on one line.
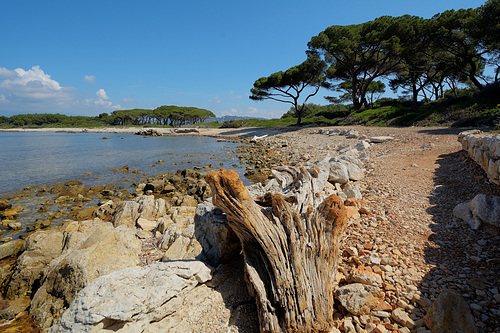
[[481, 209], [484, 150], [450, 313], [39, 250], [91, 249], [137, 299], [145, 207], [218, 240], [148, 132]]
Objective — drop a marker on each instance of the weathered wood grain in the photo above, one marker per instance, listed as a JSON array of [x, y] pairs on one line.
[[290, 246]]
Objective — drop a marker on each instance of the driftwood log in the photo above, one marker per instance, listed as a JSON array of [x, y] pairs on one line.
[[290, 243]]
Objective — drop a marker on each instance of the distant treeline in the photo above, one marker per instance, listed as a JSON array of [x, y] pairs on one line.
[[164, 115]]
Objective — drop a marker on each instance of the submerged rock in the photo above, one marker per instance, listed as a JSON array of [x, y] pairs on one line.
[[5, 204]]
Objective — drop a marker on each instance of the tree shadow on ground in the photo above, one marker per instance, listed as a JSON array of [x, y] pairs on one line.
[[236, 298], [464, 260], [452, 130], [260, 131], [229, 276]]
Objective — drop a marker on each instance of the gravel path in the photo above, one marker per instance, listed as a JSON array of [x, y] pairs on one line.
[[412, 185]]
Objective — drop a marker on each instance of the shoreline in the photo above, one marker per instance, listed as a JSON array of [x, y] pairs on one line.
[[218, 133], [131, 130], [409, 193]]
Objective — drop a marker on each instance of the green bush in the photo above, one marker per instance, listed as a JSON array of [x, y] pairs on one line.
[[231, 124]]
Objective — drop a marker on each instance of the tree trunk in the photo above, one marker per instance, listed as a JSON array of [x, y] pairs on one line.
[[290, 244]]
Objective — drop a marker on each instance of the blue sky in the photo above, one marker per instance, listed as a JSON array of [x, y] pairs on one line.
[[88, 57]]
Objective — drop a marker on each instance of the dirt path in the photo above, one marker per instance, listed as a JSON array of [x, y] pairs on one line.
[[413, 184]]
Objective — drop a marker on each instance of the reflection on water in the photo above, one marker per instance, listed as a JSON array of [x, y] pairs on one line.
[[30, 159], [44, 159]]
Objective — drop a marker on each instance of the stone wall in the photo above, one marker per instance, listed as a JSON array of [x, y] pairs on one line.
[[484, 150]]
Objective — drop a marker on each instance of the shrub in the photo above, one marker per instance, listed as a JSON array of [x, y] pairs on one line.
[[231, 124]]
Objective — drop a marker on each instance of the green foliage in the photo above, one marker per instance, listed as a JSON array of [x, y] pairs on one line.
[[164, 115], [269, 122], [288, 86], [358, 54], [458, 112], [49, 120], [231, 124]]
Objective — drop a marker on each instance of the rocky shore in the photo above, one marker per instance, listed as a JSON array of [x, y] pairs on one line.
[[164, 258]]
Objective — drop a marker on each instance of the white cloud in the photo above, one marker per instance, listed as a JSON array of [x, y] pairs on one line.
[[128, 100], [253, 110], [101, 94], [234, 111], [89, 78], [234, 95], [32, 90], [216, 99], [33, 79], [89, 102], [4, 72]]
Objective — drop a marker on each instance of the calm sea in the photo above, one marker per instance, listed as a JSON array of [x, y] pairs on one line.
[[34, 159]]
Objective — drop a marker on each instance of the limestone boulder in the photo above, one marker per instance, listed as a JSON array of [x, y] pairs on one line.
[[87, 254], [155, 186], [358, 298], [180, 243], [151, 208], [40, 249], [450, 313], [127, 213], [220, 243], [10, 249], [364, 276], [380, 139], [352, 191], [148, 132], [362, 145], [145, 207], [338, 173], [344, 167], [481, 209], [138, 299]]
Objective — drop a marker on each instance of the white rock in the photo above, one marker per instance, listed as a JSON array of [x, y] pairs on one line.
[[481, 209], [362, 145], [145, 224], [352, 191], [359, 298], [133, 297], [381, 139]]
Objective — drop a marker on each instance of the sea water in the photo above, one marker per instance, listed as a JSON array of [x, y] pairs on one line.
[[43, 158]]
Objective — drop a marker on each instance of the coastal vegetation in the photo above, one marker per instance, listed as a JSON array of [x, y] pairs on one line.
[[171, 115], [444, 70], [452, 54]]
